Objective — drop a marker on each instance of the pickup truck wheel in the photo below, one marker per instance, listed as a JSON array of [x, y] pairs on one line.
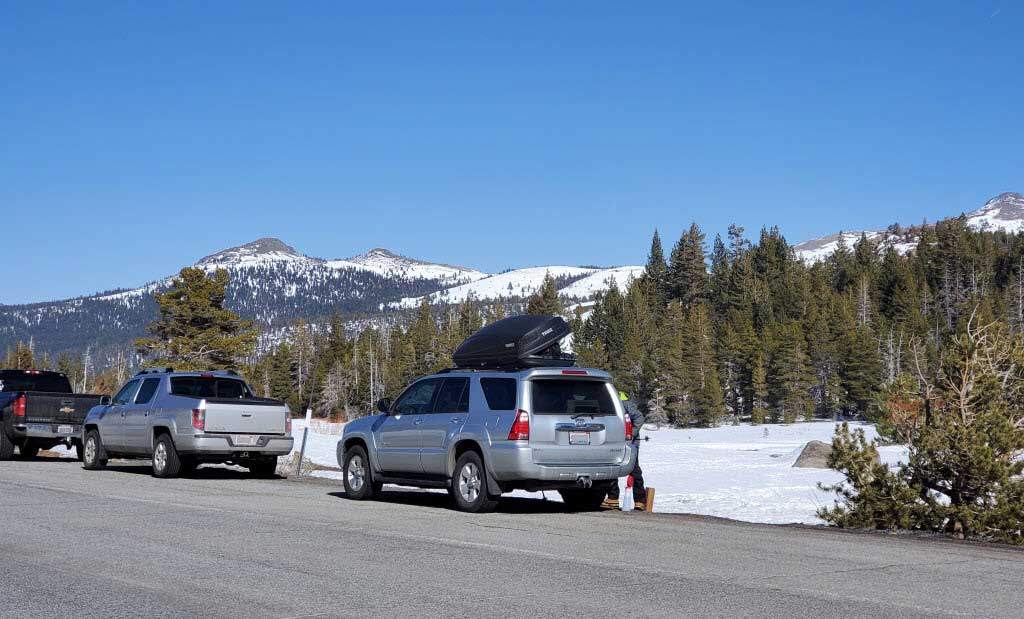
[[78, 451], [469, 485], [28, 451], [263, 467], [6, 445], [584, 500], [359, 483], [94, 456], [165, 458]]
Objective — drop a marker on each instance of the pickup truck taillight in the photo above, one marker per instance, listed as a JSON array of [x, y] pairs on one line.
[[287, 422], [199, 418], [19, 406], [520, 427], [629, 427]]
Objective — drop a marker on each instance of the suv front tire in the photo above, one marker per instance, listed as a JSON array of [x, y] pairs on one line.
[[359, 483]]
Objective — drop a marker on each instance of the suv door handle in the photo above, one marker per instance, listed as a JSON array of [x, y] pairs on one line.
[[418, 422], [456, 419]]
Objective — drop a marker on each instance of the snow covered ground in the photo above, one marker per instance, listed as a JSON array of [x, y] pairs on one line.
[[741, 472]]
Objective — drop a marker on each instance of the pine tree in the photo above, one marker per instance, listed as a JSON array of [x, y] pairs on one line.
[[759, 391], [21, 357], [656, 272], [687, 272], [965, 428], [789, 376], [546, 301], [193, 330], [701, 370]]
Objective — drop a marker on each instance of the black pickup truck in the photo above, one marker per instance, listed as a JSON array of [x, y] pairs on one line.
[[38, 411]]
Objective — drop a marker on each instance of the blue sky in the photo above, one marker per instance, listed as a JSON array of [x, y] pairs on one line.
[[137, 137]]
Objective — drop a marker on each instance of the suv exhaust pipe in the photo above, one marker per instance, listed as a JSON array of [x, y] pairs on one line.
[[584, 482]]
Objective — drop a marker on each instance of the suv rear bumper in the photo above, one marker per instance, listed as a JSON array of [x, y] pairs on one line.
[[512, 464], [223, 445]]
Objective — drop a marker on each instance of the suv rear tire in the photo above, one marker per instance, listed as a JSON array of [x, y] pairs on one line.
[[166, 462], [584, 499], [94, 456], [359, 483], [469, 485]]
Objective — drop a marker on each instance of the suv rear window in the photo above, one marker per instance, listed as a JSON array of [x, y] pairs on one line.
[[210, 387], [500, 393], [571, 397], [22, 380]]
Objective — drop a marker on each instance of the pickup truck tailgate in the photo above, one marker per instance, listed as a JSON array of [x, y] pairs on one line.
[[245, 416], [69, 408]]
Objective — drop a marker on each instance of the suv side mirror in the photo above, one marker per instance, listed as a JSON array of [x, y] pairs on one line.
[[104, 400], [384, 405]]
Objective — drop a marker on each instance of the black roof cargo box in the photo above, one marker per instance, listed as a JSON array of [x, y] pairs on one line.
[[516, 342]]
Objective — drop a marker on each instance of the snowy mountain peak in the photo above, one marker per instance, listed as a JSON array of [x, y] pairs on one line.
[[260, 251], [1003, 212], [387, 263]]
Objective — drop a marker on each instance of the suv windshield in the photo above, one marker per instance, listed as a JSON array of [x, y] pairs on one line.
[[210, 387], [571, 397], [22, 380]]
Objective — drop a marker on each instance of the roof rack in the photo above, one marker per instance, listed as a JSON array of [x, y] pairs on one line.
[[164, 370]]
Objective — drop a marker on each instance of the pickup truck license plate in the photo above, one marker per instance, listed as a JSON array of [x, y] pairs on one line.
[[65, 429], [579, 438], [244, 439]]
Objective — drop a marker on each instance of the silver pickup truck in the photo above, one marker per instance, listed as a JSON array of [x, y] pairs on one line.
[[183, 419]]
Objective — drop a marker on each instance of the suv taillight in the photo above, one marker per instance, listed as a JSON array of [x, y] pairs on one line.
[[287, 422], [19, 406], [199, 419], [520, 427], [629, 427]]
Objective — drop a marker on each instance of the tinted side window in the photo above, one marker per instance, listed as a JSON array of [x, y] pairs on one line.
[[500, 393], [209, 387], [147, 390], [416, 399], [125, 394], [453, 397]]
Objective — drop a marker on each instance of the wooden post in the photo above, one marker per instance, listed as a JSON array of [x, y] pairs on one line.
[[649, 504]]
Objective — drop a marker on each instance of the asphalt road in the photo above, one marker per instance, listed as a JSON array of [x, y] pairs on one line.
[[120, 543]]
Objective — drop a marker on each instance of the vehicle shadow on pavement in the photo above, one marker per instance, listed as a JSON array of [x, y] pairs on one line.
[[422, 498]]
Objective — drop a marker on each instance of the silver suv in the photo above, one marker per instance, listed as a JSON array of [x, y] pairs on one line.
[[480, 433], [182, 419]]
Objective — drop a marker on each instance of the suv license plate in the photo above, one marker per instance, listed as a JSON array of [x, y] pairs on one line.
[[244, 439], [579, 438], [65, 429]]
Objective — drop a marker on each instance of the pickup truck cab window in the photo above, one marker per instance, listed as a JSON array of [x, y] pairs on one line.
[[124, 396], [147, 391], [21, 380], [417, 398], [210, 387]]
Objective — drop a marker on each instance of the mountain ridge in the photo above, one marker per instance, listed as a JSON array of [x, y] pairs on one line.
[[1003, 212]]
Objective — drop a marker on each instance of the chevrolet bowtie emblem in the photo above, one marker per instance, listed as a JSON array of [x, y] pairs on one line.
[[67, 410]]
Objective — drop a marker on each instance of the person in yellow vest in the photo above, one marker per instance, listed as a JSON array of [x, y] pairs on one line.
[[639, 491]]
